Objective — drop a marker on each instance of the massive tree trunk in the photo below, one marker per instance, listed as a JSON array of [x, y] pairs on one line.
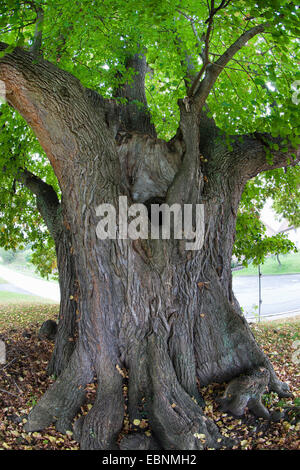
[[66, 335], [165, 314], [51, 210]]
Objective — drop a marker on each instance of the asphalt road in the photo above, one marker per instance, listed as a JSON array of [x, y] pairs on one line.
[[39, 287], [279, 294], [11, 288]]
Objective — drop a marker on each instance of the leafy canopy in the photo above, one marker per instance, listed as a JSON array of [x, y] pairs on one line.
[[92, 39]]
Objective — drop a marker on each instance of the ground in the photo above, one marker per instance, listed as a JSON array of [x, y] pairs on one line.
[[23, 380], [279, 295]]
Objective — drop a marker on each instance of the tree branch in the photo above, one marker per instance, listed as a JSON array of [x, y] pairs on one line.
[[46, 198], [238, 44], [249, 155], [205, 53], [134, 114], [201, 90], [187, 63], [37, 40], [54, 102]]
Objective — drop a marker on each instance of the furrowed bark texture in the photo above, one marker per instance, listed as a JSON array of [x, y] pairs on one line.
[[66, 335], [134, 114], [51, 210], [166, 314]]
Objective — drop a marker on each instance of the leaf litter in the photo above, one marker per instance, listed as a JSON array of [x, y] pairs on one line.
[[23, 380]]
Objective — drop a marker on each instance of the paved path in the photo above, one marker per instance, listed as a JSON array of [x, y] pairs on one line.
[[280, 294], [10, 288], [39, 287]]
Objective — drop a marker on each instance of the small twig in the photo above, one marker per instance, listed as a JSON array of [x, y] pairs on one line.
[[9, 393], [240, 60], [19, 390], [205, 53], [240, 70], [6, 365]]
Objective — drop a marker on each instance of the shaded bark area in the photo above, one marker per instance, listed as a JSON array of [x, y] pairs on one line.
[[134, 113], [166, 314], [69, 314], [245, 391], [50, 209]]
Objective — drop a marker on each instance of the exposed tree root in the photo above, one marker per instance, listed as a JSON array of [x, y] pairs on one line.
[[137, 380], [63, 350], [103, 423], [246, 391], [175, 417], [158, 382], [183, 359], [275, 385], [138, 441], [231, 350], [63, 399]]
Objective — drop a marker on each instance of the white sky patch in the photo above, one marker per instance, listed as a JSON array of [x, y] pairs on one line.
[[269, 216], [271, 86], [2, 92]]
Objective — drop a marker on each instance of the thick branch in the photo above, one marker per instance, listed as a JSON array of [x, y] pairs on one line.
[[46, 197], [236, 46], [134, 114], [201, 90], [250, 156], [37, 40], [61, 112], [186, 63], [205, 51]]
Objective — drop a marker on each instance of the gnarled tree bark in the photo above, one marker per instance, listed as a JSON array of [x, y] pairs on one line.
[[167, 315], [50, 209]]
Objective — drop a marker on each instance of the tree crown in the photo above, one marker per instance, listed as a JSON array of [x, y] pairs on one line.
[[187, 44]]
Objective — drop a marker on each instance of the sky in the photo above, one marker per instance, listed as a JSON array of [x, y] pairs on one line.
[[269, 217]]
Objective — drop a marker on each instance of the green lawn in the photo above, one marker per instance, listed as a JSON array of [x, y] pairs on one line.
[[290, 264], [25, 314], [15, 298], [3, 281]]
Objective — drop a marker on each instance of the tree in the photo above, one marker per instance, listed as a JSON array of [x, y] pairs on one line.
[[165, 314], [50, 209], [48, 238], [50, 242]]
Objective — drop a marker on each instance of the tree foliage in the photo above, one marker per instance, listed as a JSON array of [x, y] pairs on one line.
[[93, 39], [252, 243], [21, 223]]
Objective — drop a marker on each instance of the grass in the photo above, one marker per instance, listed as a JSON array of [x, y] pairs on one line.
[[287, 321], [3, 281], [290, 264], [16, 298], [23, 315]]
